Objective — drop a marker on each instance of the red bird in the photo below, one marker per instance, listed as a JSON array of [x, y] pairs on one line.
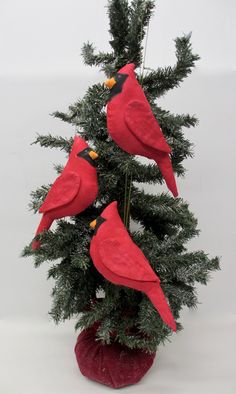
[[120, 261], [132, 125], [74, 190]]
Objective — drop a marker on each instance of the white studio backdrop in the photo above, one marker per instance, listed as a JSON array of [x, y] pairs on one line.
[[42, 71]]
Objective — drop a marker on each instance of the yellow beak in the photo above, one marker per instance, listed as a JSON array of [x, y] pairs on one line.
[[93, 155], [109, 83], [93, 224]]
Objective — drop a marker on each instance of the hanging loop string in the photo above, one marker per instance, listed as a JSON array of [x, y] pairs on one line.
[[128, 182]]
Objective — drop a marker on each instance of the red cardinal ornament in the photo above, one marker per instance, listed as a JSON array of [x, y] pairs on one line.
[[74, 190], [132, 125], [120, 261]]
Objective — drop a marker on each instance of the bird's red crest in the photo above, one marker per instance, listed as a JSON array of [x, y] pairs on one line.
[[110, 210], [127, 69], [79, 143]]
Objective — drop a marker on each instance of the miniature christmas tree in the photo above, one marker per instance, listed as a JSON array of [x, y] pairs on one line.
[[160, 225]]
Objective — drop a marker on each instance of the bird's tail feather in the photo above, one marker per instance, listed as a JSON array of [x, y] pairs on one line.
[[157, 297], [44, 224], [164, 163]]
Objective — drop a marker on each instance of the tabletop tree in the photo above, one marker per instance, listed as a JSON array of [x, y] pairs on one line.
[[118, 322]]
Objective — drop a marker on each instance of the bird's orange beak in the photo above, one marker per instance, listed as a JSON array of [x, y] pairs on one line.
[[93, 155], [109, 83], [93, 224]]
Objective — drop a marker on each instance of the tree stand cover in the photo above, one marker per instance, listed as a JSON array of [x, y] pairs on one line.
[[113, 365]]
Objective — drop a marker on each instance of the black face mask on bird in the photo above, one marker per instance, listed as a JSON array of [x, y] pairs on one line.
[[89, 155], [95, 224], [115, 84]]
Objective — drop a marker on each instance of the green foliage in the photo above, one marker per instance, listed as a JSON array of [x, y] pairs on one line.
[[118, 11], [140, 13], [165, 224], [158, 82]]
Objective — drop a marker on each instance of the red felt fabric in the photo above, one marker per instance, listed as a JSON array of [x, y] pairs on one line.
[[120, 261], [112, 365], [142, 123], [73, 191], [125, 262], [132, 125], [63, 191]]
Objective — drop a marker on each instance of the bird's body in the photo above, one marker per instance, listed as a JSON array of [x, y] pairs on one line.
[[73, 191], [132, 125], [120, 261]]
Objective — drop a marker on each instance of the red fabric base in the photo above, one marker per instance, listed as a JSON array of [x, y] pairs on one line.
[[112, 365]]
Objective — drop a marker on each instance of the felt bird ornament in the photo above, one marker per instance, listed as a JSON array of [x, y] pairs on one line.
[[74, 190], [132, 125], [120, 261]]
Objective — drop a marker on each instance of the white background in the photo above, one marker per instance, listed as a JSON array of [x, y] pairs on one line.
[[41, 71]]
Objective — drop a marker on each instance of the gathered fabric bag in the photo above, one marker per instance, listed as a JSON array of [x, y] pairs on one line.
[[113, 365]]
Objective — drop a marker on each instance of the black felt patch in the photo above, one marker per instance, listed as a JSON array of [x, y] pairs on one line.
[[85, 155], [99, 221], [117, 88]]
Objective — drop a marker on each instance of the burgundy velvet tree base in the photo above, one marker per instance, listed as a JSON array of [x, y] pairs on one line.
[[112, 365]]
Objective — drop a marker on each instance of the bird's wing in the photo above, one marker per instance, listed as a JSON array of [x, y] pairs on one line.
[[126, 261], [62, 192], [144, 126]]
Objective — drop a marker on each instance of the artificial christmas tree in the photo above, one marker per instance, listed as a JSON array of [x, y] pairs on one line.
[[118, 321]]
